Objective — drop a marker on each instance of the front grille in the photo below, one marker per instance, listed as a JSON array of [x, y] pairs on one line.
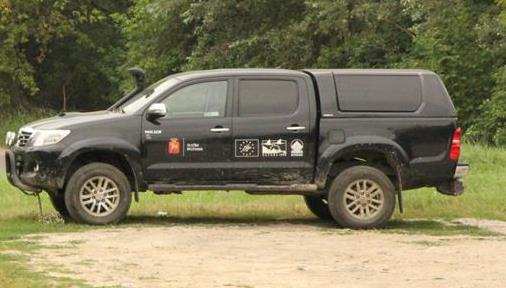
[[23, 137]]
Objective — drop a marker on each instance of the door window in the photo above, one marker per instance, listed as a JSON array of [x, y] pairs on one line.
[[267, 97], [202, 100]]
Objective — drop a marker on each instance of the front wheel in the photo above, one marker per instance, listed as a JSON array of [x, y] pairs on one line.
[[98, 193], [58, 202], [362, 197]]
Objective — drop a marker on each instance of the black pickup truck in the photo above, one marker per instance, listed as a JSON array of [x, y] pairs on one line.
[[349, 141]]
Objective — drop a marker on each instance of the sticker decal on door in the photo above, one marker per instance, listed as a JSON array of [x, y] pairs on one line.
[[274, 148], [297, 148], [246, 147], [194, 147], [174, 146]]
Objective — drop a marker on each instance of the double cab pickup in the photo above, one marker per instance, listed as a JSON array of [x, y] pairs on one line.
[[349, 141]]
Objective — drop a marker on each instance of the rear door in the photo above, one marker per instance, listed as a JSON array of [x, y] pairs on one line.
[[271, 131]]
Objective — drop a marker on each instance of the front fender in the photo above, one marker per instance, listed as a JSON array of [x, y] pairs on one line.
[[330, 153], [128, 150]]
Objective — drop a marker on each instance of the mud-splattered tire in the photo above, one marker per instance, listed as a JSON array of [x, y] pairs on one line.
[[318, 206], [98, 194], [58, 202], [361, 197]]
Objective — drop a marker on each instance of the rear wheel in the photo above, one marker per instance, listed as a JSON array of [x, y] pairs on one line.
[[98, 193], [362, 197], [319, 206]]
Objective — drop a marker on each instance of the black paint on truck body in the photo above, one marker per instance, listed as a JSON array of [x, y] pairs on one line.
[[317, 122]]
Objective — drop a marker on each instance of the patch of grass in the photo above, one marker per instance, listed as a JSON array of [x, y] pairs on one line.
[[428, 243], [435, 228], [15, 120], [484, 196], [18, 217], [14, 273]]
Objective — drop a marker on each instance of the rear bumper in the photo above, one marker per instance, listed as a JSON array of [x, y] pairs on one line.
[[461, 171], [455, 187]]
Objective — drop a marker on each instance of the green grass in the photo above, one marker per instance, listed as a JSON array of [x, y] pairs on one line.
[[485, 197], [16, 119]]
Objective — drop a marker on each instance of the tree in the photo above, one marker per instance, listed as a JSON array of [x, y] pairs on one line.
[[463, 41], [490, 127], [55, 47]]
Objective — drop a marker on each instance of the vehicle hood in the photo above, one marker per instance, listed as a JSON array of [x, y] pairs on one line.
[[74, 120]]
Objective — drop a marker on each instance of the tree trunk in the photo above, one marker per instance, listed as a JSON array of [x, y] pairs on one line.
[[64, 98]]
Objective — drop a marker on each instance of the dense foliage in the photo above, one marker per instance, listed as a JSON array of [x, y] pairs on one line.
[[79, 49], [56, 49]]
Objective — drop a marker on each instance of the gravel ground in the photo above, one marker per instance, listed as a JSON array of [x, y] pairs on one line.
[[270, 255]]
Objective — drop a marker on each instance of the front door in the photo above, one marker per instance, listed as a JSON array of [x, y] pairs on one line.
[[271, 131], [192, 144]]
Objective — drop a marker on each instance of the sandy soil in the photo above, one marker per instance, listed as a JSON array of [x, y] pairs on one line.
[[270, 255]]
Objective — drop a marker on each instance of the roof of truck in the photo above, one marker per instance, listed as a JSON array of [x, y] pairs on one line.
[[371, 71], [228, 72], [274, 71]]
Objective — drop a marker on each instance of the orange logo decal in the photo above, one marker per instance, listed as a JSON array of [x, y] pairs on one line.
[[174, 146]]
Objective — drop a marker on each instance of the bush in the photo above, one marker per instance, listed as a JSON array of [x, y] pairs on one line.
[[490, 127]]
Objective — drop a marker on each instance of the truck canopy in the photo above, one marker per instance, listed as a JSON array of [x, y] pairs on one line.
[[381, 92]]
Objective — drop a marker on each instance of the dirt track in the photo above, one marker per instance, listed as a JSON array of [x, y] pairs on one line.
[[271, 255]]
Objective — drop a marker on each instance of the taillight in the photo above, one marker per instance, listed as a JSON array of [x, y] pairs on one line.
[[455, 147]]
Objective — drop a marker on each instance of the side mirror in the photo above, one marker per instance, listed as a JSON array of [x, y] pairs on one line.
[[157, 110]]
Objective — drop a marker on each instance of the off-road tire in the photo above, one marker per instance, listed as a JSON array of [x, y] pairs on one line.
[[337, 202], [58, 202], [82, 176], [318, 205]]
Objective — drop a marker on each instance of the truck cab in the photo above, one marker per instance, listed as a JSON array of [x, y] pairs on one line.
[[350, 141]]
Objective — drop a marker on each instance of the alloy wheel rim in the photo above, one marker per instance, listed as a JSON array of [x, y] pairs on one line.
[[363, 199], [99, 196]]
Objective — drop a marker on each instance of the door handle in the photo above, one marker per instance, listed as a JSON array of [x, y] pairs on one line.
[[219, 129], [295, 128]]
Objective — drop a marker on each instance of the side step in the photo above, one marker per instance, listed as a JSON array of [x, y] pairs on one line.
[[299, 189]]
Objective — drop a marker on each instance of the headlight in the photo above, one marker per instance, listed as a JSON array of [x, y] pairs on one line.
[[10, 138], [48, 137]]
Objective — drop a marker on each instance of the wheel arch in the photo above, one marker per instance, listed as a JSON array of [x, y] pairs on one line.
[[377, 152], [119, 153]]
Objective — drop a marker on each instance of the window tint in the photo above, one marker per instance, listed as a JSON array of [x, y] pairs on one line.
[[267, 97], [383, 93], [198, 101]]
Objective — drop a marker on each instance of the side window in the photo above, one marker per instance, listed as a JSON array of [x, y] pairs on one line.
[[200, 100], [383, 93], [268, 97]]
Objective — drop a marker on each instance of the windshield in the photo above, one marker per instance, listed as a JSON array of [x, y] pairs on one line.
[[140, 99]]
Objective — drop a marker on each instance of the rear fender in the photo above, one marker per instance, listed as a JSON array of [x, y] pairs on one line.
[[396, 157]]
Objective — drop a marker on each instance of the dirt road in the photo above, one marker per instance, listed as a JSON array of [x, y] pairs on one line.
[[271, 255]]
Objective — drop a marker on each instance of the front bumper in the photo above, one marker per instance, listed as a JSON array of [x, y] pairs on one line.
[[12, 174], [34, 170], [455, 187]]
